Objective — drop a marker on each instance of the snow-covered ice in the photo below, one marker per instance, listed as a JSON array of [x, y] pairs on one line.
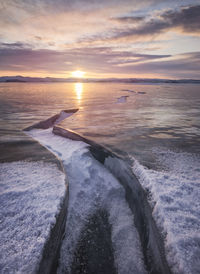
[[92, 186], [31, 194], [174, 194]]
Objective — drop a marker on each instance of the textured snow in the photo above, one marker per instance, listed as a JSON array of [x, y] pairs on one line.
[[30, 197], [92, 186], [175, 198]]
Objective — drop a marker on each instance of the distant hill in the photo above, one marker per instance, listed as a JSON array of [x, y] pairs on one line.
[[15, 80], [22, 79]]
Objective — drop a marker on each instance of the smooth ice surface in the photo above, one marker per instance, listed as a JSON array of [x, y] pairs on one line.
[[92, 186], [63, 116], [175, 198], [30, 197]]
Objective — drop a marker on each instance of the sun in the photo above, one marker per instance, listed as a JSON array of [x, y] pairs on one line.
[[78, 73]]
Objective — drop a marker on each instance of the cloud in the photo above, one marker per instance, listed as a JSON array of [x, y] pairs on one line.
[[129, 19], [185, 20], [109, 61], [185, 65], [12, 45], [35, 6], [52, 24], [16, 45], [99, 36], [54, 61]]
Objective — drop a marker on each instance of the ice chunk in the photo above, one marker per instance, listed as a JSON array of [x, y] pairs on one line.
[[129, 90], [54, 120], [122, 99]]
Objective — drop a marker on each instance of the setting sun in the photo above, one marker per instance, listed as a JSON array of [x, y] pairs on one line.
[[78, 74]]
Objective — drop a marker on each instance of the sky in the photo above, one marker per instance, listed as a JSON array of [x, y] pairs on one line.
[[107, 38]]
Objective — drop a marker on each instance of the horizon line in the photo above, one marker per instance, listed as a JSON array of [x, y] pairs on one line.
[[76, 79]]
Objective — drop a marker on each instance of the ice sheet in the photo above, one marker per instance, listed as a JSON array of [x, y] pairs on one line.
[[92, 186], [174, 194], [30, 197]]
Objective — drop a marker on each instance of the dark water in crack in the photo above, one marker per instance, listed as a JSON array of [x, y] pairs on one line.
[[94, 252]]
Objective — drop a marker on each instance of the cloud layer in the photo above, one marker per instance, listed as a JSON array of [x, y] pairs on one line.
[[125, 38]]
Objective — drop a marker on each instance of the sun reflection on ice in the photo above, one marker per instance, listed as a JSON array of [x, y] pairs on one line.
[[79, 90]]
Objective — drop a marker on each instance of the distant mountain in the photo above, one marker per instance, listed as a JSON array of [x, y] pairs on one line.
[[22, 79]]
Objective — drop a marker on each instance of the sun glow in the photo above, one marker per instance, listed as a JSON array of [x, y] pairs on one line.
[[78, 73]]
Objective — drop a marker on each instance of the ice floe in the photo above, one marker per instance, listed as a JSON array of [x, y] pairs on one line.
[[122, 99], [129, 90], [134, 92]]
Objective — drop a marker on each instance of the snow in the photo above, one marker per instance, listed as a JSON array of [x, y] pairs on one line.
[[30, 197], [92, 186], [174, 194]]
